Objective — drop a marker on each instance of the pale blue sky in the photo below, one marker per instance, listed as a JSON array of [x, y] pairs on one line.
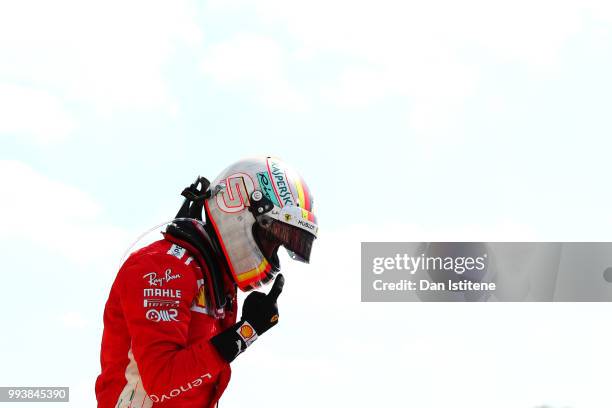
[[417, 121]]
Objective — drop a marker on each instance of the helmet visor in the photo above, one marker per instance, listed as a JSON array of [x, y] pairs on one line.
[[274, 233]]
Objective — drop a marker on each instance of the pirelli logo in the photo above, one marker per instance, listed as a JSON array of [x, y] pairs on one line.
[[161, 303]]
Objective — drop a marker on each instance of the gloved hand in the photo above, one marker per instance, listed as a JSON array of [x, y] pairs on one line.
[[261, 310], [259, 314]]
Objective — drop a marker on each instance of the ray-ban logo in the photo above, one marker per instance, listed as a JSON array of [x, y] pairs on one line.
[[154, 280]]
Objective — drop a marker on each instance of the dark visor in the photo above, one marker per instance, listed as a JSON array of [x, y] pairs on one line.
[[273, 233]]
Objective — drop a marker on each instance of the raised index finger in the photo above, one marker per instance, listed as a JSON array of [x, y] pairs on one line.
[[277, 287]]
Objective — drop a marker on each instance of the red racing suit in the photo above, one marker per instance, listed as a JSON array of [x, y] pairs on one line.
[[155, 345]]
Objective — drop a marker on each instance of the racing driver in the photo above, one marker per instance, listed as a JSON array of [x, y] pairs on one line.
[[170, 323]]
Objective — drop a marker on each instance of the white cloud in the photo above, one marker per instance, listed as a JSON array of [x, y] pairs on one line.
[[72, 252], [110, 54], [432, 54], [391, 31], [358, 87], [54, 215], [33, 114], [253, 63]]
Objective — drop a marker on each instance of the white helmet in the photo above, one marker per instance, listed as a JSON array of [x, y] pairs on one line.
[[256, 206]]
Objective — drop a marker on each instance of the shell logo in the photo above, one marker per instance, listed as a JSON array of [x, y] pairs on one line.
[[246, 331]]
